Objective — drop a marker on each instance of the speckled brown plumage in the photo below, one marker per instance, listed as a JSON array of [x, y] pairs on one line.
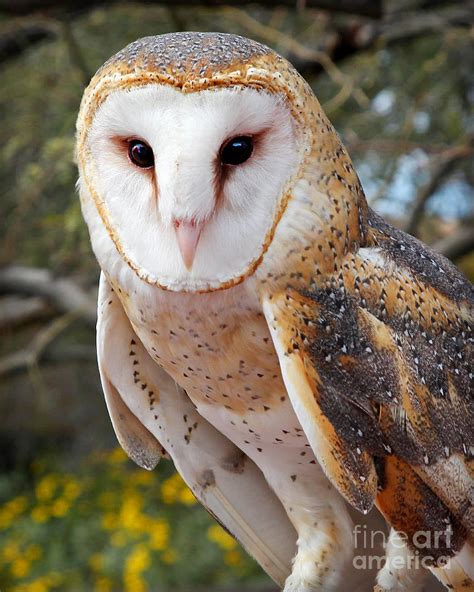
[[389, 348]]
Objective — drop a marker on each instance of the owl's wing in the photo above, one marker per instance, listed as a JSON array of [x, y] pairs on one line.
[[152, 416], [291, 320], [373, 421]]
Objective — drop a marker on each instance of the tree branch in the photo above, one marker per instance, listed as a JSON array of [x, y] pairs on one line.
[[75, 53], [64, 294], [368, 8], [456, 245], [442, 166], [16, 40], [21, 360], [16, 311], [303, 53], [353, 37], [347, 39]]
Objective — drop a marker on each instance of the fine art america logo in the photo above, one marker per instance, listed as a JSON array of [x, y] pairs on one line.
[[375, 549]]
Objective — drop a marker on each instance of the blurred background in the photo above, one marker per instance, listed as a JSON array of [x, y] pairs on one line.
[[396, 79]]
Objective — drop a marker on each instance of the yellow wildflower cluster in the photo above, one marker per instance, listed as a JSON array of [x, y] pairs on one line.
[[11, 510], [118, 504], [117, 456], [128, 522], [218, 535], [174, 490], [42, 584], [136, 563], [232, 556], [20, 558], [65, 487], [131, 522], [141, 477]]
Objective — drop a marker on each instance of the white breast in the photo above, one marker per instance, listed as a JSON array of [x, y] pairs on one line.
[[218, 348]]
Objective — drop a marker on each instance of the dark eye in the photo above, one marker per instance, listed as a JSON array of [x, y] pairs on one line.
[[140, 154], [237, 150]]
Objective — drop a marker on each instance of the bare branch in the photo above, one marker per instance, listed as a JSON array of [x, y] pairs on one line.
[[27, 7], [441, 166], [21, 361], [369, 8], [352, 37], [16, 311], [75, 52], [29, 357], [392, 145], [347, 39], [401, 27], [16, 40], [64, 294], [303, 53], [456, 245]]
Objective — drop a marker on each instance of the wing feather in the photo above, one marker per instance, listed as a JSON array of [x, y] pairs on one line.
[[363, 392], [352, 471]]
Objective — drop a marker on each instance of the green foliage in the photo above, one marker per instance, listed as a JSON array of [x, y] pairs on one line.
[[111, 526]]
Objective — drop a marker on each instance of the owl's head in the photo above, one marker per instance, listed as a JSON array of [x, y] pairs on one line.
[[189, 147]]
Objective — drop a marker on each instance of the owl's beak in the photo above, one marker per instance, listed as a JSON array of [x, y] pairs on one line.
[[188, 234]]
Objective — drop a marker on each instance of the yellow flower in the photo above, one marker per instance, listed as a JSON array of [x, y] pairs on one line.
[[159, 535], [11, 509], [131, 517], [60, 508], [130, 510], [141, 477], [39, 585], [136, 563], [135, 584], [40, 514], [170, 489], [20, 567], [46, 487], [10, 551], [170, 556], [18, 504], [218, 535], [42, 584], [71, 489], [186, 497], [117, 456], [138, 560], [174, 489], [233, 558]]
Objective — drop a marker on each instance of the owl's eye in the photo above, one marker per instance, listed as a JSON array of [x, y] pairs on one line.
[[237, 150], [140, 154]]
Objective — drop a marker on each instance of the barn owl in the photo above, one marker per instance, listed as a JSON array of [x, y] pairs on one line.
[[297, 358]]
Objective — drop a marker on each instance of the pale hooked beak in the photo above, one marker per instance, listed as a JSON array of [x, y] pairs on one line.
[[188, 234]]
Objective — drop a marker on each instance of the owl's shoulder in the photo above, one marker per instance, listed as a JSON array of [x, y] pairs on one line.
[[418, 261], [388, 340]]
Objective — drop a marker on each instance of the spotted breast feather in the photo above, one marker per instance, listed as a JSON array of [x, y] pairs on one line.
[[153, 417]]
